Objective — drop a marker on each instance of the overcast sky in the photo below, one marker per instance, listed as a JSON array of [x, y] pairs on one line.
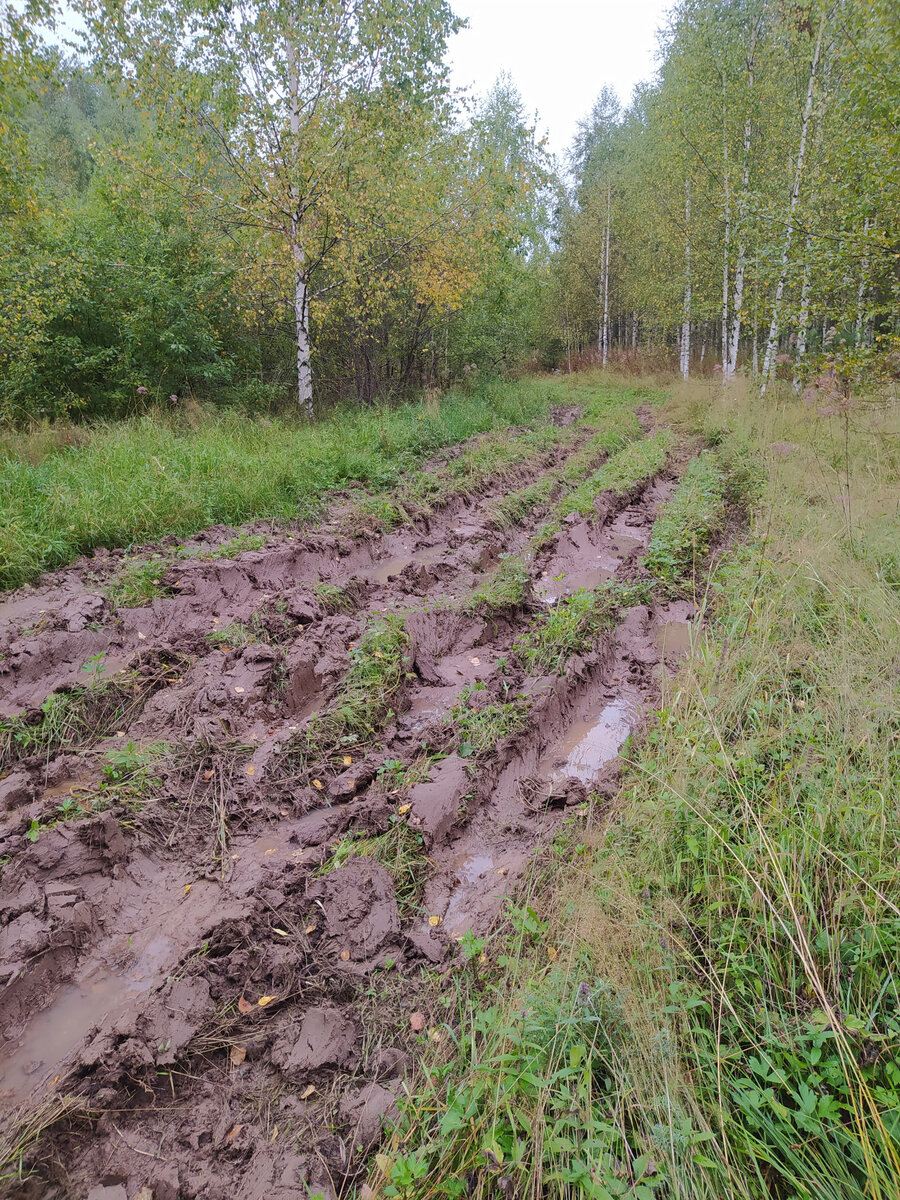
[[560, 53]]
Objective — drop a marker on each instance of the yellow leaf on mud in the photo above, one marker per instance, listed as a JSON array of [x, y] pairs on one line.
[[238, 1054], [274, 1134], [552, 953], [187, 888], [263, 1001], [244, 1006], [271, 850], [307, 1091], [317, 783], [225, 649], [281, 932], [311, 928], [239, 691], [434, 921], [404, 808], [347, 760], [251, 770], [345, 956], [417, 1021], [502, 870], [233, 1132], [120, 733]]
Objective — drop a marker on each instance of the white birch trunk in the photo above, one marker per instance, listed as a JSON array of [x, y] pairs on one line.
[[775, 325], [726, 255], [634, 330], [301, 291], [686, 321], [606, 280], [729, 368]]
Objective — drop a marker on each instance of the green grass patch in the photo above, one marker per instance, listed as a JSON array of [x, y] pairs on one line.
[[77, 717], [364, 702], [333, 598], [479, 727], [138, 581], [572, 626], [237, 635], [503, 592], [622, 471], [139, 480], [687, 523]]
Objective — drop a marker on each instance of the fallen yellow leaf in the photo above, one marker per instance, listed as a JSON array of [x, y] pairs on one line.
[[238, 1054], [187, 888], [307, 1091], [347, 760], [251, 770], [345, 956], [310, 928], [317, 783], [265, 1000], [404, 808], [552, 953], [281, 932], [233, 1132], [433, 921]]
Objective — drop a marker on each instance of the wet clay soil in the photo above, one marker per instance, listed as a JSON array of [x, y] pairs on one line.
[[233, 1021]]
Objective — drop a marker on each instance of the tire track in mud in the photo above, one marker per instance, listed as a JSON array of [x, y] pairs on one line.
[[144, 951]]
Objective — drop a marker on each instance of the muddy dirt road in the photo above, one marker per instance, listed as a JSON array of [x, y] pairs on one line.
[[242, 824]]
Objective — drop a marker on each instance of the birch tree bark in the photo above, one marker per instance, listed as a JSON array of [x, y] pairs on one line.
[[606, 278], [301, 291], [686, 320], [729, 368], [775, 325], [863, 287]]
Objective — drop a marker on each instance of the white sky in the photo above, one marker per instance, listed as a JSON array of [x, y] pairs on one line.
[[560, 53]]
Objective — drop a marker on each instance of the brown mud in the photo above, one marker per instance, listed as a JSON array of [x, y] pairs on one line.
[[233, 1021]]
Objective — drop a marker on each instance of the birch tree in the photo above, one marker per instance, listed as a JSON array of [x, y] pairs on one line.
[[281, 97]]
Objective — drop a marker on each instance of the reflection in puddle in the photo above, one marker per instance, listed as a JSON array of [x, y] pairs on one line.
[[551, 590], [674, 639], [469, 869], [53, 1034], [386, 569], [589, 744]]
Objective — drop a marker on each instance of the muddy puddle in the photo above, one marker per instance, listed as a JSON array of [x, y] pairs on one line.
[[190, 964], [589, 743]]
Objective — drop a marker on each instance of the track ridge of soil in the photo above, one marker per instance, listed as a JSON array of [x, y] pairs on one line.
[[180, 963]]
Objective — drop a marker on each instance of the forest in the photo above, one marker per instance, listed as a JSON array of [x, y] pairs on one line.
[[449, 609], [342, 225]]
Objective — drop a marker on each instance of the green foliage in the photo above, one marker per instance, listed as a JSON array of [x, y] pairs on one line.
[[334, 599], [572, 626], [365, 699], [480, 726], [684, 528]]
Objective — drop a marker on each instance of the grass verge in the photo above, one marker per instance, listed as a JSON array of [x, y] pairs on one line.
[[140, 480], [707, 1003]]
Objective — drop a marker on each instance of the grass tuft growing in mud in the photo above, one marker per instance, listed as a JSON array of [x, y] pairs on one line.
[[400, 850], [366, 697], [687, 523], [508, 589], [138, 581], [572, 626], [627, 469], [480, 724]]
